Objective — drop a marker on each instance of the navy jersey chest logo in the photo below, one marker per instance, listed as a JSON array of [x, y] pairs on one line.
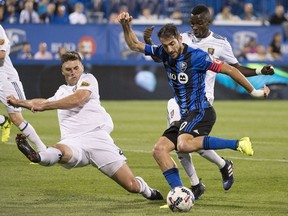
[[183, 66]]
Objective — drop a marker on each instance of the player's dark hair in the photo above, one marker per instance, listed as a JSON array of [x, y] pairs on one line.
[[168, 30], [199, 9], [70, 56]]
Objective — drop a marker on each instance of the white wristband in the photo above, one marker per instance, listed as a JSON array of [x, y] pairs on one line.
[[258, 71], [257, 93]]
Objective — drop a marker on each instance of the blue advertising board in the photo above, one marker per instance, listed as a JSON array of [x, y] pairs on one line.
[[105, 44]]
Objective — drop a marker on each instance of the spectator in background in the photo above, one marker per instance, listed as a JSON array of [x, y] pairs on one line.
[[68, 7], [249, 14], [154, 5], [259, 55], [42, 7], [279, 16], [96, 12], [48, 16], [78, 17], [42, 53], [26, 52], [226, 15], [146, 15], [170, 6], [114, 15], [250, 47], [11, 15], [61, 16], [62, 50], [176, 15], [28, 14], [274, 47], [116, 6], [84, 49]]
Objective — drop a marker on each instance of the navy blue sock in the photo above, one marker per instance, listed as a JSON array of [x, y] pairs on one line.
[[172, 177], [215, 143]]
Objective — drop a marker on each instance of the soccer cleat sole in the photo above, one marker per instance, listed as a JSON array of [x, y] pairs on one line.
[[26, 149]]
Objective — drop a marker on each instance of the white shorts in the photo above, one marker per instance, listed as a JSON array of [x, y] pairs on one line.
[[14, 88], [173, 111], [96, 148]]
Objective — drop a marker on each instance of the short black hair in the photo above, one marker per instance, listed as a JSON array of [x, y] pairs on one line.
[[168, 30], [199, 9], [70, 56]]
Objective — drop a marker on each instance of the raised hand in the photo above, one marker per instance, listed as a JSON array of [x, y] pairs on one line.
[[124, 18], [147, 35]]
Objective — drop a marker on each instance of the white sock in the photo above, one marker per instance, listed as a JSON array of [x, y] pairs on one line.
[[2, 119], [31, 134], [213, 157], [145, 190], [50, 156], [186, 161]]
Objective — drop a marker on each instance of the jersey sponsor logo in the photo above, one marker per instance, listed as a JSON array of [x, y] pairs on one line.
[[183, 78], [211, 51], [183, 125], [84, 84], [172, 76], [183, 66], [2, 41]]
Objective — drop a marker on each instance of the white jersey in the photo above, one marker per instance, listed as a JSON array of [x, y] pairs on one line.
[[9, 79], [90, 116], [7, 70], [218, 47]]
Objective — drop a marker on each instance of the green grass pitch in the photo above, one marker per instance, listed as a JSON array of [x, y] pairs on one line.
[[260, 186]]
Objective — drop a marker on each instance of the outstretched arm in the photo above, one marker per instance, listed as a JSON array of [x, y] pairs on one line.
[[28, 104], [246, 71], [40, 104], [131, 39], [235, 74]]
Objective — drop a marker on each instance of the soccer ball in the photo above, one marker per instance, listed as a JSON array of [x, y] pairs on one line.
[[180, 199]]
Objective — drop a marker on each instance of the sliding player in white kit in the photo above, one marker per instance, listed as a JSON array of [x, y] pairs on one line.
[[10, 84], [202, 37], [85, 128]]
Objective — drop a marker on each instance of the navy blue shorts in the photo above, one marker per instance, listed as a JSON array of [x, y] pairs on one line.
[[196, 123]]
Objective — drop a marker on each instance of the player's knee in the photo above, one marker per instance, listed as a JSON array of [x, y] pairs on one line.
[[186, 146], [158, 150], [16, 118]]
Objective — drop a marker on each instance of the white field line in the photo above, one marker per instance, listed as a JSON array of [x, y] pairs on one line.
[[232, 157], [195, 154]]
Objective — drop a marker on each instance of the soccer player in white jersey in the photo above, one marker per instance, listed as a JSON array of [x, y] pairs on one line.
[[202, 37], [11, 85], [85, 128]]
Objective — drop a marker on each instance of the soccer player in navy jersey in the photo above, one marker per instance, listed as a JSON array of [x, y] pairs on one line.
[[186, 70], [200, 36]]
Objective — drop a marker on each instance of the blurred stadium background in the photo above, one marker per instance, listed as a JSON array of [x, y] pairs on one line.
[[123, 74]]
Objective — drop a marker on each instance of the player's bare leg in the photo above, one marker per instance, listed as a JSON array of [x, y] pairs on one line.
[[127, 180]]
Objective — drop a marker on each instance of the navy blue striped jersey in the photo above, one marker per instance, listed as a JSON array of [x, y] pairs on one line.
[[186, 75]]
